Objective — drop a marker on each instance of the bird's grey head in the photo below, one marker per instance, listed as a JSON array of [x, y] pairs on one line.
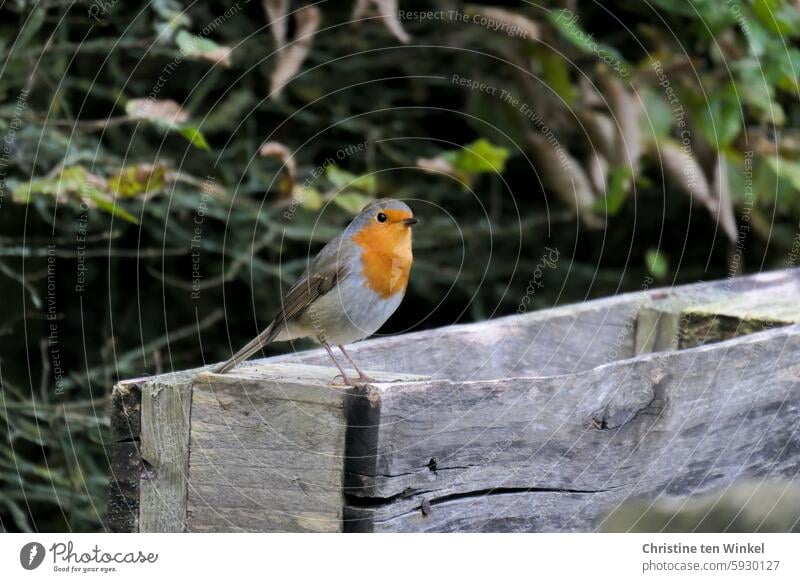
[[383, 211]]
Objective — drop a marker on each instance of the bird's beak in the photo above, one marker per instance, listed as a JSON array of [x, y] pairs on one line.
[[410, 221]]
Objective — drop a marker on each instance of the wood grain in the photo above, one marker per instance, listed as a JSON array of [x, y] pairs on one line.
[[740, 314], [555, 341], [545, 421], [557, 453], [125, 458], [693, 315], [166, 402], [267, 448]]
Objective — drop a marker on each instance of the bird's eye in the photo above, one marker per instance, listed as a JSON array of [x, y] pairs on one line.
[[381, 217]]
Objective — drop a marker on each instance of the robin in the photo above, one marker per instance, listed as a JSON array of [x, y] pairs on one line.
[[349, 289]]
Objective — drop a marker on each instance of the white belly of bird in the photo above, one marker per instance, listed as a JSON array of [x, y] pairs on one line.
[[348, 313]]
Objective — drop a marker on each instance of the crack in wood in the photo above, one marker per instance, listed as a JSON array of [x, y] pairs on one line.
[[366, 502], [361, 502], [426, 505]]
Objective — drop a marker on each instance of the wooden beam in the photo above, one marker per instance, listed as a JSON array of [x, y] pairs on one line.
[[126, 465], [561, 340], [267, 448], [558, 453], [537, 422], [740, 314], [166, 402], [688, 316]]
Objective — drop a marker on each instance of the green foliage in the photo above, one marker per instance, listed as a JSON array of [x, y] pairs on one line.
[[568, 25], [657, 263], [72, 183], [52, 463], [611, 204], [777, 17], [720, 118], [344, 180], [479, 157], [135, 181]]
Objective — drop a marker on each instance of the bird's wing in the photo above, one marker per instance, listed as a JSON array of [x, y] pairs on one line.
[[307, 290], [322, 275]]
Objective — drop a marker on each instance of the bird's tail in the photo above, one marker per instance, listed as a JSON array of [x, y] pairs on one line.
[[264, 338]]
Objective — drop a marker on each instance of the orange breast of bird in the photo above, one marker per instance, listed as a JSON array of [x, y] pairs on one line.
[[386, 254]]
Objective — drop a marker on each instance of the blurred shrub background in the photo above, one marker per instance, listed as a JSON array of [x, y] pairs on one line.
[[167, 167]]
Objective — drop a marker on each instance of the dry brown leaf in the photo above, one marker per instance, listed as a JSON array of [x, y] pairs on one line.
[[209, 186], [219, 56], [360, 9], [682, 167], [274, 149], [292, 56], [387, 10], [197, 47], [437, 165], [597, 170], [626, 110], [276, 14], [600, 132], [527, 28], [163, 110], [562, 174], [589, 94], [726, 217]]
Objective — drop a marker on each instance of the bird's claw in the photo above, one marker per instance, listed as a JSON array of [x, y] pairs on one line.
[[345, 381], [355, 383]]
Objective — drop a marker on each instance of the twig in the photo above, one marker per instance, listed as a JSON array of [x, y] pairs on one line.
[[132, 355], [92, 253], [230, 274], [9, 272]]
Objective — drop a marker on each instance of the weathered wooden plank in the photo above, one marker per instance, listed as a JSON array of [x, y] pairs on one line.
[[740, 314], [498, 510], [123, 488], [125, 458], [555, 341], [504, 455], [561, 340], [266, 451], [165, 418], [683, 317], [488, 430]]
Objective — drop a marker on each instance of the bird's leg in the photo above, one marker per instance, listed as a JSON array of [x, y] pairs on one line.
[[345, 379], [361, 375]]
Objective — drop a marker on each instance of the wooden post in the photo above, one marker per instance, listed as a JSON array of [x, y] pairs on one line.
[[166, 404], [126, 458], [544, 421], [690, 316], [557, 453], [740, 314], [260, 448]]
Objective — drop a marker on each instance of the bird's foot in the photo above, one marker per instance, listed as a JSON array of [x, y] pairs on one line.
[[341, 380], [362, 380]]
